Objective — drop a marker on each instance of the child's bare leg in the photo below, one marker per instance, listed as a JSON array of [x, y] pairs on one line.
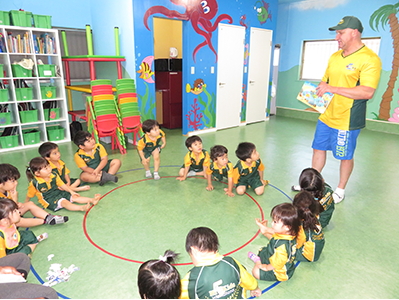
[[155, 155], [114, 166], [75, 186], [74, 207], [146, 164], [87, 177], [82, 200], [259, 190], [29, 222], [32, 246], [34, 209], [241, 189], [255, 270]]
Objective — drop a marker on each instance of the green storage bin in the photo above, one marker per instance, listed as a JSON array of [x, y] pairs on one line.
[[41, 21], [51, 114], [55, 133], [4, 18], [21, 18], [46, 70], [5, 118], [1, 71], [24, 94], [9, 141], [28, 116], [31, 136], [48, 92], [3, 95], [18, 71]]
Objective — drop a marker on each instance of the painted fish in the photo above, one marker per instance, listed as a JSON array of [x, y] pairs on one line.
[[145, 69], [263, 12], [197, 87]]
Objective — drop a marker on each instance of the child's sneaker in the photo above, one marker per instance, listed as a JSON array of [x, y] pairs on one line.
[[148, 174], [296, 188], [42, 237], [156, 176], [253, 257], [191, 174], [53, 220]]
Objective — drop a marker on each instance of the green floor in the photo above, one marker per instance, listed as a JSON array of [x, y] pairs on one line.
[[139, 219]]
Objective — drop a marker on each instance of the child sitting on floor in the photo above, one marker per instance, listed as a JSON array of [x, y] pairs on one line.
[[93, 160], [150, 145], [214, 276], [249, 170], [311, 180], [9, 176], [159, 279], [220, 167], [50, 151], [45, 185], [12, 240], [311, 238], [196, 160], [276, 261]]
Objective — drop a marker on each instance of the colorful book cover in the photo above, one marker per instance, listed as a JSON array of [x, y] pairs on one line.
[[308, 96]]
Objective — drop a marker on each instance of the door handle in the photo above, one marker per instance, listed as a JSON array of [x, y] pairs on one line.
[[222, 83], [251, 81]]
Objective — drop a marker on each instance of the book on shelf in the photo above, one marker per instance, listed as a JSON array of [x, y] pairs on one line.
[[309, 96]]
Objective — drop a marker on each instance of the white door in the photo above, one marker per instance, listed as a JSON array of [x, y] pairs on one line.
[[258, 74], [231, 40]]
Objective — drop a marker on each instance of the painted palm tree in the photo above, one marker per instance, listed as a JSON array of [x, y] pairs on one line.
[[383, 15]]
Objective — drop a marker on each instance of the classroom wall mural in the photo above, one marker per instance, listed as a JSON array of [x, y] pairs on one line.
[[379, 19], [200, 43], [383, 16]]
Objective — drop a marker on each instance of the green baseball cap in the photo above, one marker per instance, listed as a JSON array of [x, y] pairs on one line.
[[348, 22]]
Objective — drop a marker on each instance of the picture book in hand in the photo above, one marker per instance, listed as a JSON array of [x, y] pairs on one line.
[[308, 96]]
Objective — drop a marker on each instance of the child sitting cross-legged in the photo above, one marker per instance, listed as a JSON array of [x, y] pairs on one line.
[[50, 151], [214, 276], [249, 170], [45, 185], [220, 167], [9, 176], [196, 160], [93, 160], [150, 145]]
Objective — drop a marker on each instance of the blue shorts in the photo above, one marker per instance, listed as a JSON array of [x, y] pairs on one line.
[[341, 142]]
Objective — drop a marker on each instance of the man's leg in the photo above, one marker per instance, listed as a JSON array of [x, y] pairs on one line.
[[319, 159]]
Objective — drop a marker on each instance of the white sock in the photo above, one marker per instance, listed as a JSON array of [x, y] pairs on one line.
[[340, 192]]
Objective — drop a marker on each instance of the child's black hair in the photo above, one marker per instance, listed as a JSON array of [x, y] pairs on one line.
[[308, 208], [46, 148], [218, 151], [81, 137], [311, 181], [245, 150], [148, 125], [288, 215], [158, 279], [6, 207], [203, 238], [8, 172], [192, 139], [35, 165]]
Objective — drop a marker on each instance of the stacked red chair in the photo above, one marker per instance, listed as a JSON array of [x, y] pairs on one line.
[[130, 119], [103, 114]]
